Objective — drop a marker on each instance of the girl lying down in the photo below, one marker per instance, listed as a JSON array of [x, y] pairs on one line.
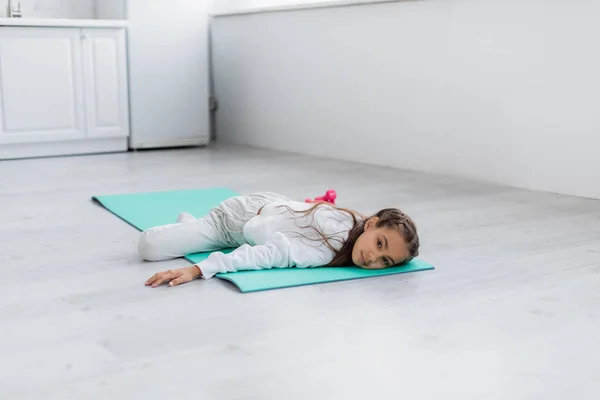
[[271, 231]]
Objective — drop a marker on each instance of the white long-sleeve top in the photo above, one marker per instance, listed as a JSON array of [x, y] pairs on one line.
[[280, 238]]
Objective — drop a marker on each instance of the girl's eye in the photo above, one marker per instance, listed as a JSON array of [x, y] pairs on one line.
[[386, 262], [379, 243]]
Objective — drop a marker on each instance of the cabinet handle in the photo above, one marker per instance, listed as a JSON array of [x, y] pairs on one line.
[[85, 36]]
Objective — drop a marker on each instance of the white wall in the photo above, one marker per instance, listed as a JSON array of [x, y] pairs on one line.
[[110, 9], [77, 9], [505, 91]]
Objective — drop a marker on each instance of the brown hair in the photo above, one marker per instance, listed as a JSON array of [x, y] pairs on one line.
[[387, 218]]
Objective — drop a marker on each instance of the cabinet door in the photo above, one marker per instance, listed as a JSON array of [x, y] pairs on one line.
[[41, 86], [105, 81]]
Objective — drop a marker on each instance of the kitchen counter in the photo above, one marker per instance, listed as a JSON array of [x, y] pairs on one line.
[[64, 23]]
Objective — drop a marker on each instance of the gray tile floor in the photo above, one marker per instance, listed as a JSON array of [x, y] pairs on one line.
[[511, 312]]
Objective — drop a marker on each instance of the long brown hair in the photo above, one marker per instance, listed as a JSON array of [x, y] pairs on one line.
[[387, 218]]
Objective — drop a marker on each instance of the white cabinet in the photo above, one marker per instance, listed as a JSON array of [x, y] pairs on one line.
[[169, 66], [105, 79], [62, 91], [41, 85]]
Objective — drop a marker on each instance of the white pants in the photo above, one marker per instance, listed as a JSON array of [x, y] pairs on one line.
[[222, 228]]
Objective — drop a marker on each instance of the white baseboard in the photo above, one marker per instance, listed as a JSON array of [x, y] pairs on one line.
[[198, 141], [63, 148]]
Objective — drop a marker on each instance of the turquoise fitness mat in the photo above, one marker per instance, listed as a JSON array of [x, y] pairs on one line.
[[146, 210]]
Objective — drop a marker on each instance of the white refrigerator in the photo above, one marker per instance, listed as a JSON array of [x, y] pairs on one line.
[[168, 47]]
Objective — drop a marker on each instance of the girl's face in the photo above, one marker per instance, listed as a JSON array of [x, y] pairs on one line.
[[379, 248]]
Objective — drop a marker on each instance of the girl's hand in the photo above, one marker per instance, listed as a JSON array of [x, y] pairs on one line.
[[174, 277]]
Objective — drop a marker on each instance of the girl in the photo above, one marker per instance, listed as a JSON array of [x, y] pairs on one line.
[[271, 231]]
